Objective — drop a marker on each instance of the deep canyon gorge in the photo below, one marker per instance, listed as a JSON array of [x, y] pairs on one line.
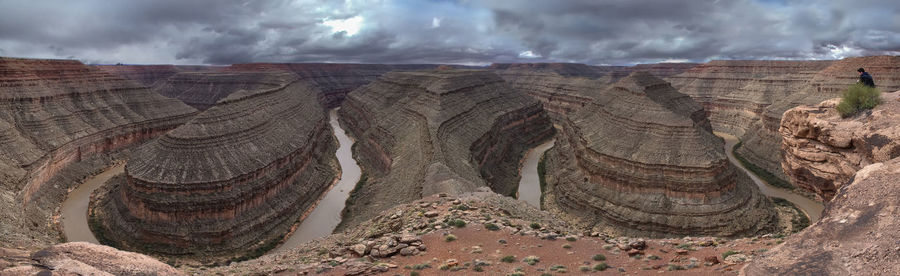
[[215, 169]]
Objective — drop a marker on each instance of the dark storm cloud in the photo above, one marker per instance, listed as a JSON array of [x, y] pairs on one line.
[[464, 31]]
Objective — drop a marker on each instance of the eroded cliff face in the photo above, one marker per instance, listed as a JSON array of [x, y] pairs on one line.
[[748, 98], [641, 159], [822, 151], [229, 183], [425, 132], [857, 235], [58, 121], [202, 90], [334, 80]]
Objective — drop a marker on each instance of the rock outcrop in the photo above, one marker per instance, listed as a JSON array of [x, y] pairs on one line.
[[81, 258], [641, 159], [748, 98], [58, 120], [202, 90], [560, 95], [857, 235], [426, 132], [227, 184], [822, 151]]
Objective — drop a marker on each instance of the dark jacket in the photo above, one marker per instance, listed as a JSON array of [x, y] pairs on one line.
[[866, 79]]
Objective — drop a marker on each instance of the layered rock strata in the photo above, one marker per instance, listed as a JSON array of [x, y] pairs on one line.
[[334, 80], [55, 115], [748, 98], [822, 151], [202, 90], [641, 159], [560, 95], [426, 132], [229, 183], [856, 236]]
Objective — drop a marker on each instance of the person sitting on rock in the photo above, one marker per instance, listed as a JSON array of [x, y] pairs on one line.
[[865, 78]]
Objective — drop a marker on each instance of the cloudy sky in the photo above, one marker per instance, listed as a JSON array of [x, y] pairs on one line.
[[616, 32]]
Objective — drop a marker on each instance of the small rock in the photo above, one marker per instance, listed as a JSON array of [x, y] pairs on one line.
[[422, 247], [359, 249], [409, 238], [711, 259], [431, 214], [456, 202], [736, 259], [639, 245], [681, 252], [451, 262], [595, 234], [408, 251], [634, 252], [501, 241]]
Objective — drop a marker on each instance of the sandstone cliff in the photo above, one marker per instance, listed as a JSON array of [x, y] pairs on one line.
[[58, 120], [227, 184], [821, 151], [641, 159], [426, 132]]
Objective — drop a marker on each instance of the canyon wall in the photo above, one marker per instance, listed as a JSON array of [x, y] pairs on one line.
[[853, 163], [230, 183], [641, 159], [748, 98], [822, 151], [202, 90], [58, 120], [425, 132], [334, 80]]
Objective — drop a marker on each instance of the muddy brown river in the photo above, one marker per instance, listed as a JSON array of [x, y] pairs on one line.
[[812, 208], [529, 183], [327, 214], [73, 211]]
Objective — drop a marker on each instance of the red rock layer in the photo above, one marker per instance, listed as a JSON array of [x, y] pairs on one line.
[[56, 113], [149, 75], [230, 182], [448, 131], [822, 151], [641, 159]]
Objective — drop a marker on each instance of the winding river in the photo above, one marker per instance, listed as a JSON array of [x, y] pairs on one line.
[[812, 208], [73, 211], [327, 214], [530, 183]]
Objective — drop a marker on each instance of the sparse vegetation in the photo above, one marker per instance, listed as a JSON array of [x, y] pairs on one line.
[[531, 260], [858, 98], [567, 246], [599, 257], [491, 227], [508, 259], [571, 238], [449, 238], [673, 267], [798, 223], [413, 273], [584, 268], [765, 175], [601, 267], [729, 253], [458, 223], [535, 225]]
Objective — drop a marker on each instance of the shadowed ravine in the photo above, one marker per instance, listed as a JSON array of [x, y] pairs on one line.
[[530, 183], [812, 208], [73, 211], [327, 214]]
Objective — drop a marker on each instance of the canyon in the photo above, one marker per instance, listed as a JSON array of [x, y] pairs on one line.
[[222, 164]]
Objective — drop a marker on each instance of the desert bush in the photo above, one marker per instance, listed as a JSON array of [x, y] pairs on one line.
[[491, 226], [858, 98]]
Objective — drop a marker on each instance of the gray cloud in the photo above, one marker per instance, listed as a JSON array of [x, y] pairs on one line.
[[470, 31]]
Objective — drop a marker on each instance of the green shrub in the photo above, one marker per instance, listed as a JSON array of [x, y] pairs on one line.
[[673, 267], [531, 260], [599, 257], [413, 273], [491, 226], [571, 239], [535, 225], [458, 223], [857, 98], [508, 259], [601, 267], [449, 238]]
